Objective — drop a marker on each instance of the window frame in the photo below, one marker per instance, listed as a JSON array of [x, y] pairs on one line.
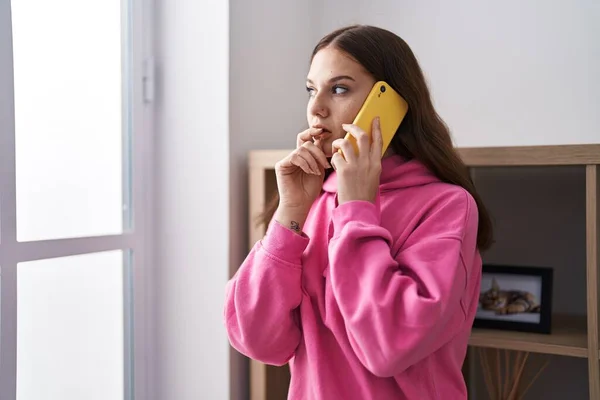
[[136, 238]]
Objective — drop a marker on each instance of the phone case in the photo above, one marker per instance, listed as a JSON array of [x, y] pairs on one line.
[[383, 102]]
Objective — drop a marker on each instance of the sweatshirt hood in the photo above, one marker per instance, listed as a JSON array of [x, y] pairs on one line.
[[396, 173]]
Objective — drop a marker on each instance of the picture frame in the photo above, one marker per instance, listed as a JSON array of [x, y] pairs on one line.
[[517, 298]]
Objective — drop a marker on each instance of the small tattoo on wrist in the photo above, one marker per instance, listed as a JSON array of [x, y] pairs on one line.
[[295, 226]]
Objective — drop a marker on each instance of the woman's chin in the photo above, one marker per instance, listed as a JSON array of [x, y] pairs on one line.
[[327, 145], [327, 149]]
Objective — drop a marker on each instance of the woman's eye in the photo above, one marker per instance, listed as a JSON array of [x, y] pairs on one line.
[[334, 90], [339, 90]]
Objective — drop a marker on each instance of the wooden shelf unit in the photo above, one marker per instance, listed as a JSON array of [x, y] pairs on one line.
[[574, 337]]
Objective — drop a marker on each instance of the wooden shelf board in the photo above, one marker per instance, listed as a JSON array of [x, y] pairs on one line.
[[583, 154], [568, 338]]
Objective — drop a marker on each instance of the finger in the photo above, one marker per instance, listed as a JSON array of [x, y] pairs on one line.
[[361, 137], [317, 153], [337, 161], [297, 161], [307, 136], [377, 145], [318, 142], [309, 159], [347, 149]]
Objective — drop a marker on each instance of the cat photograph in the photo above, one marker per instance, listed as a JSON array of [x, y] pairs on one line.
[[508, 301], [515, 298], [510, 297]]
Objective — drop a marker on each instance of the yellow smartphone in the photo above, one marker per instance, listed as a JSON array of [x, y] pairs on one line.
[[383, 102]]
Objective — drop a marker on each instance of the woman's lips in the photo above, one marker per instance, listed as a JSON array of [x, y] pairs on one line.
[[323, 127]]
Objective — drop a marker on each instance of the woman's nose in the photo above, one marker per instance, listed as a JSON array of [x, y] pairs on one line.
[[319, 107]]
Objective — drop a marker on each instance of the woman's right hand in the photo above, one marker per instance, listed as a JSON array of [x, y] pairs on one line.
[[300, 179]]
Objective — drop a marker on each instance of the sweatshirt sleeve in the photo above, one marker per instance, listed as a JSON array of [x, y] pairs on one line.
[[261, 316], [399, 309]]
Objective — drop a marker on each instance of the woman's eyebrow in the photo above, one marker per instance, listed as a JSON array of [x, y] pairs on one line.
[[335, 79]]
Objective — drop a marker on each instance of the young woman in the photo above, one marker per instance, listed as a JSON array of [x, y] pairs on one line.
[[368, 277]]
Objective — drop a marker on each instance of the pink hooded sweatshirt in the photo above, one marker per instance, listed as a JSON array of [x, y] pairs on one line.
[[372, 301]]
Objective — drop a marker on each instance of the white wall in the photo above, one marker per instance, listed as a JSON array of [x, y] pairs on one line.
[[270, 45], [230, 80], [502, 73], [192, 230]]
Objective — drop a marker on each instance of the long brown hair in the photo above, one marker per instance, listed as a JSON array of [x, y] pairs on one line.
[[423, 135]]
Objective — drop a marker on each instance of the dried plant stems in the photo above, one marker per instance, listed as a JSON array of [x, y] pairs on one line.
[[503, 382]]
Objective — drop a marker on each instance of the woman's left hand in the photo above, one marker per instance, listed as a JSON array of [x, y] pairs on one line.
[[358, 174]]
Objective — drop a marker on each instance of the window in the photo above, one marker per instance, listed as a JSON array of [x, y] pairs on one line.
[[74, 181]]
